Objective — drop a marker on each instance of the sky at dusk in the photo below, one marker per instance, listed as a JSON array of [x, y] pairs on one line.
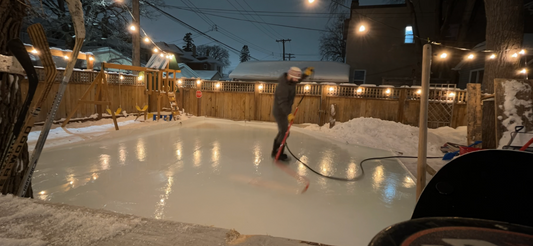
[[260, 38]]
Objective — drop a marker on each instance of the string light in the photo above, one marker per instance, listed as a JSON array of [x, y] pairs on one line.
[[471, 56], [451, 94], [146, 40], [162, 55], [260, 87], [217, 85], [132, 27], [419, 92], [331, 88], [66, 57], [515, 55], [359, 90], [387, 91], [362, 28], [156, 50], [443, 55], [523, 71], [492, 56], [179, 81], [121, 77], [198, 81], [34, 51], [140, 77], [522, 52], [91, 58], [306, 87]]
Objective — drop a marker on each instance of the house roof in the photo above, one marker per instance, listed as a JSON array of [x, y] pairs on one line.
[[171, 48], [325, 71], [207, 74], [186, 72], [527, 43]]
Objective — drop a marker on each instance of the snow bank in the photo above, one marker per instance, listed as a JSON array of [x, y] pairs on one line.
[[510, 109], [48, 225], [389, 135]]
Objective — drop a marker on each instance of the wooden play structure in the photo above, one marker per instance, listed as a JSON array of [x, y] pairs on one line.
[[159, 82]]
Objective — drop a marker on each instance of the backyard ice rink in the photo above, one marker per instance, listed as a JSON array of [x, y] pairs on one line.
[[219, 173]]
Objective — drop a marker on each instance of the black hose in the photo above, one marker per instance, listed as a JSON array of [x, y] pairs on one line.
[[360, 165]]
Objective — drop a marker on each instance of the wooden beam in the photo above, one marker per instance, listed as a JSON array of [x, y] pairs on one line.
[[473, 113]]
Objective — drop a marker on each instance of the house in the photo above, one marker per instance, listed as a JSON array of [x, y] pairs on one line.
[[201, 62], [473, 71], [270, 71], [108, 55], [209, 74], [388, 49]]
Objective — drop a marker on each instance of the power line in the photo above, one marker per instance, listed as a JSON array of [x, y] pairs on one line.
[[191, 27], [252, 21], [272, 24], [262, 19]]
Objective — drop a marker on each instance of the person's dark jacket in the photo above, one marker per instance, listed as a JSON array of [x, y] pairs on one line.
[[284, 96]]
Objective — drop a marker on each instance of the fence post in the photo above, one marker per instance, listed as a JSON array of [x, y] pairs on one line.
[[323, 105], [473, 112], [257, 101], [199, 101], [401, 104]]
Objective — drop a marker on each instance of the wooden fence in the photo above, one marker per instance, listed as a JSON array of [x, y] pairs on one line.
[[253, 101]]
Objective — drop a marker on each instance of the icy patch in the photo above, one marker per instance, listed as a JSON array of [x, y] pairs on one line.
[[510, 108], [25, 222]]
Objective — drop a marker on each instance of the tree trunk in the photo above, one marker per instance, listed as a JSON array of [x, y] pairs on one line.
[[11, 14], [505, 32]]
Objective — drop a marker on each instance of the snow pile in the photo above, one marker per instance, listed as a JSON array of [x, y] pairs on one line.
[[510, 109], [389, 135], [25, 222]]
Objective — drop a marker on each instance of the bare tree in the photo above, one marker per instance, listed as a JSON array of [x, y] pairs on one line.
[[332, 43], [218, 53], [505, 33], [12, 13], [106, 22]]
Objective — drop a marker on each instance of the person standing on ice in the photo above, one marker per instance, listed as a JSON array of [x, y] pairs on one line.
[[283, 100]]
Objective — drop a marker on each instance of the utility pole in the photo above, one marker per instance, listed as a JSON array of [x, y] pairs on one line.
[[136, 35], [283, 40], [290, 56]]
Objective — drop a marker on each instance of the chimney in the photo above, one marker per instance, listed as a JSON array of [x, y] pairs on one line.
[[194, 50]]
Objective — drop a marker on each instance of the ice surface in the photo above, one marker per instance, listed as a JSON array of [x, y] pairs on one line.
[[219, 172]]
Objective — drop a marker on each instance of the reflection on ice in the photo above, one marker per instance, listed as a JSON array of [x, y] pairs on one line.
[[104, 161], [160, 206], [141, 151], [122, 153]]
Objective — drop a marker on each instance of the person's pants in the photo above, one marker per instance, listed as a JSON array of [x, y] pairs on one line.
[[283, 125]]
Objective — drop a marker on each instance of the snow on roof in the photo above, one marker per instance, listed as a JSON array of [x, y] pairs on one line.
[[186, 72], [172, 48], [271, 70], [206, 74]]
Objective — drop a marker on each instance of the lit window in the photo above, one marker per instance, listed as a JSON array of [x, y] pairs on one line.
[[409, 37]]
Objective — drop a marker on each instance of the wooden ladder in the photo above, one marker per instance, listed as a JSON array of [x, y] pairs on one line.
[[173, 104]]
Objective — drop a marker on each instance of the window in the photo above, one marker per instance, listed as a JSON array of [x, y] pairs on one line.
[[476, 76], [205, 66], [409, 37], [359, 76]]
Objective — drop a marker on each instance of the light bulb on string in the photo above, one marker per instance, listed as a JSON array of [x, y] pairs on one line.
[[443, 55], [471, 57], [132, 27], [523, 71], [156, 50], [514, 55], [146, 40], [492, 56], [522, 52]]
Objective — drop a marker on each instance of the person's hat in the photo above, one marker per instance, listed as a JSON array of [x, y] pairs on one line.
[[295, 72]]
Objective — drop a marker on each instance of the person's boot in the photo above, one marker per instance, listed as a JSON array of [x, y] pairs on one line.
[[282, 156]]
